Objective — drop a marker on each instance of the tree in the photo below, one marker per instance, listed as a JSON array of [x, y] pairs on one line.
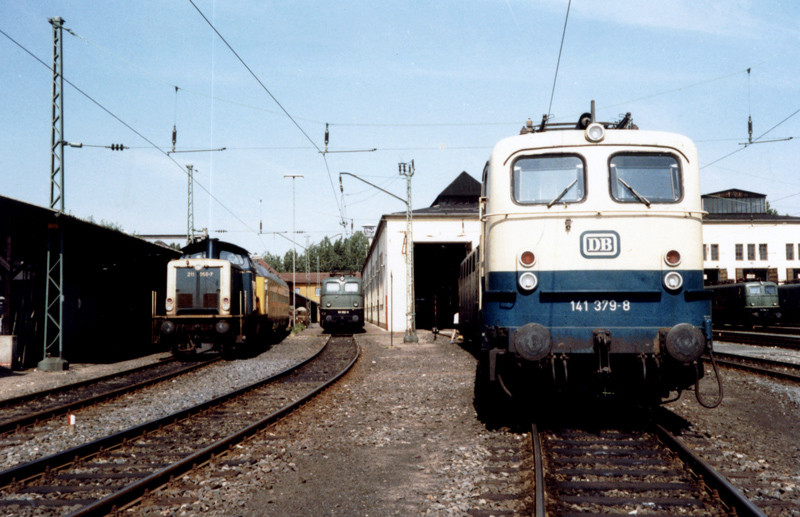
[[345, 254], [770, 210], [275, 261]]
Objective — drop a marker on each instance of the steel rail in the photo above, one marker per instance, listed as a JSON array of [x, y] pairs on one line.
[[14, 401], [50, 413], [726, 360], [539, 506], [138, 489], [728, 494], [129, 494], [64, 458], [758, 338]]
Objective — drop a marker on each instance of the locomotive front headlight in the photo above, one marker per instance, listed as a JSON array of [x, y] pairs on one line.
[[327, 305], [528, 281], [226, 304], [527, 258], [595, 132], [673, 281], [170, 304], [355, 304], [672, 258]]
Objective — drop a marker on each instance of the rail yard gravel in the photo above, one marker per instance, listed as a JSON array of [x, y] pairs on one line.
[[399, 436], [148, 404]]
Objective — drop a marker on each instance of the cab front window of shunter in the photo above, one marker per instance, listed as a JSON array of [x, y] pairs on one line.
[[638, 177], [332, 287], [548, 179], [351, 287]]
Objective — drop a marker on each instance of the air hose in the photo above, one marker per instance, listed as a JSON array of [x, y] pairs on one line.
[[719, 383]]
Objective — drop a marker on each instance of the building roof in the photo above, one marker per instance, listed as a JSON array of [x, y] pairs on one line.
[[463, 190], [750, 217], [459, 198], [735, 193]]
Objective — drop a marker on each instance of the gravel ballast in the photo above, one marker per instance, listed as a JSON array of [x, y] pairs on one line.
[[399, 435]]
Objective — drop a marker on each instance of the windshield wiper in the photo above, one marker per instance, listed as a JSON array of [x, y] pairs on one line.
[[638, 196], [563, 193]]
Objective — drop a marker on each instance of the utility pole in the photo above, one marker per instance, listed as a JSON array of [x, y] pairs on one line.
[[190, 206], [308, 271], [407, 170], [54, 297], [294, 251]]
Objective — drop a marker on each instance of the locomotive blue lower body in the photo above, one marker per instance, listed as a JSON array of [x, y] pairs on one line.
[[618, 332], [344, 319]]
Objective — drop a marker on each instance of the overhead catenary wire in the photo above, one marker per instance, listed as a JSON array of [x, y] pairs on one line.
[[754, 141], [327, 168], [137, 133], [412, 124], [558, 63]]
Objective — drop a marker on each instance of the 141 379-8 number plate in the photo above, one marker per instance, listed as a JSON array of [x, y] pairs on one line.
[[599, 305]]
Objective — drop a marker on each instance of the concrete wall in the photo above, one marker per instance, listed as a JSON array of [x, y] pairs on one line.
[[775, 235]]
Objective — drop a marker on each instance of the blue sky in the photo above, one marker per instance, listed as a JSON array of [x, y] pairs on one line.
[[435, 82]]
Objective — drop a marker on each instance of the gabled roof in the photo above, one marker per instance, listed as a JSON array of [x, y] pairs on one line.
[[464, 190]]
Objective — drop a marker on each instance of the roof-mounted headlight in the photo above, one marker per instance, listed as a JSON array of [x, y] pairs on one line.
[[595, 132]]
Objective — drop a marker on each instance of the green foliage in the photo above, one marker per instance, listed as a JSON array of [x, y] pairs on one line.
[[770, 210], [298, 328], [346, 254]]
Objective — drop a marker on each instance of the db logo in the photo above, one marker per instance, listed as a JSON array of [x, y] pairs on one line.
[[600, 244]]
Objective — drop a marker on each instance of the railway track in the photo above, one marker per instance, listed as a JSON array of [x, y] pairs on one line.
[[115, 471], [633, 471], [36, 408], [758, 338], [769, 367]]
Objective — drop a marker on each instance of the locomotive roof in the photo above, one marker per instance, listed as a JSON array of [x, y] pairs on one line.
[[202, 245]]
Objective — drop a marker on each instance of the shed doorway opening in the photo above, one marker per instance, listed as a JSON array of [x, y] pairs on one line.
[[436, 270]]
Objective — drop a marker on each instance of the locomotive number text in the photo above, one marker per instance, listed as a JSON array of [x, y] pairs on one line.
[[599, 305]]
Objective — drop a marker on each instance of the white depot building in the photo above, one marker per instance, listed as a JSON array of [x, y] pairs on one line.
[[741, 241], [444, 234]]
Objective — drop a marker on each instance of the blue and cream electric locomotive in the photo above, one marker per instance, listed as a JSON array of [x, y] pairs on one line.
[[218, 298], [589, 272]]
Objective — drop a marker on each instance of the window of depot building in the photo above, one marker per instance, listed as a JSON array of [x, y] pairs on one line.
[[715, 252], [705, 252], [751, 252], [789, 251], [762, 252], [739, 252], [549, 179], [317, 291], [645, 178]]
